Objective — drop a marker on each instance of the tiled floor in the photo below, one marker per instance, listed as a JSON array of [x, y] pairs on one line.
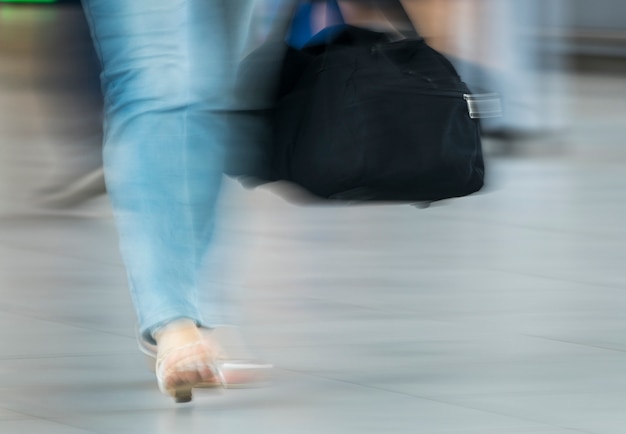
[[500, 313]]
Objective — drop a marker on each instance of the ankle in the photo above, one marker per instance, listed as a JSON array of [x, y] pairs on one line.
[[176, 333]]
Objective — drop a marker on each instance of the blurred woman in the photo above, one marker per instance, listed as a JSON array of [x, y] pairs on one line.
[[167, 79]]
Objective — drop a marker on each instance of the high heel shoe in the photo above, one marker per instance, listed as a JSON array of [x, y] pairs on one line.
[[180, 369], [233, 368]]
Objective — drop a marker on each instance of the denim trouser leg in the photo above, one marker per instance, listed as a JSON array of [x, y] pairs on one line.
[[167, 79]]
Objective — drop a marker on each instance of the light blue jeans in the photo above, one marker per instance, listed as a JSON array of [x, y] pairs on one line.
[[167, 77]]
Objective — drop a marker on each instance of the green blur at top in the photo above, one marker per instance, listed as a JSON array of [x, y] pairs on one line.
[[28, 1]]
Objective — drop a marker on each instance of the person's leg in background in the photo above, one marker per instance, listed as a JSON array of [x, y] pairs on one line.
[[167, 81], [67, 104], [495, 47], [502, 58]]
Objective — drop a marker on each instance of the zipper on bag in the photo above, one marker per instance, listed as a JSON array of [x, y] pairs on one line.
[[479, 105], [483, 105]]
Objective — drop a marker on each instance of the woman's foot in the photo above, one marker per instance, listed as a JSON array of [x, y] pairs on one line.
[[184, 360], [236, 368]]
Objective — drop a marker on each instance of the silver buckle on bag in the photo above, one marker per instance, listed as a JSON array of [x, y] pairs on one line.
[[483, 105]]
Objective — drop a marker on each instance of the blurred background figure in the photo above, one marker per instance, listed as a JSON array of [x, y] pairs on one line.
[[499, 46], [70, 88], [168, 71], [48, 55]]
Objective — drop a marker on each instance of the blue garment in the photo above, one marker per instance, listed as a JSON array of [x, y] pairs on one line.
[[302, 23], [167, 79]]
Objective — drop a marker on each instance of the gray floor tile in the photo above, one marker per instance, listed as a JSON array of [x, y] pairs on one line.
[[27, 337], [59, 289], [599, 412], [35, 426], [63, 236], [12, 415], [309, 406]]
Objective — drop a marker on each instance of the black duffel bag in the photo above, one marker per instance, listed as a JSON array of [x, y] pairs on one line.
[[361, 117]]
